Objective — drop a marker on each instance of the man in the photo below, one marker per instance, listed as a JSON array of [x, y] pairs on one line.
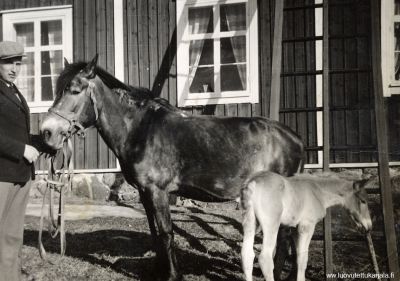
[[17, 155]]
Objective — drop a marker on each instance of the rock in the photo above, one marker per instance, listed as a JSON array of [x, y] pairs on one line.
[[87, 185], [109, 179], [81, 186], [38, 187], [100, 191]]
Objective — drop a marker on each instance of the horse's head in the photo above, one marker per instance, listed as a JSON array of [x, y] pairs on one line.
[[74, 108], [357, 206]]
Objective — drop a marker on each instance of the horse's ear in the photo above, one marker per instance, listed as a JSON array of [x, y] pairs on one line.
[[90, 68], [66, 63]]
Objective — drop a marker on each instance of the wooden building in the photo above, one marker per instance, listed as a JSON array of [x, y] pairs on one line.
[[145, 44]]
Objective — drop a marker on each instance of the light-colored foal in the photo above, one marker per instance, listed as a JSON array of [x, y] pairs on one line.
[[300, 201]]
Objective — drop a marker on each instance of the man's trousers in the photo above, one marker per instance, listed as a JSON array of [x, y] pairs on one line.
[[13, 201]]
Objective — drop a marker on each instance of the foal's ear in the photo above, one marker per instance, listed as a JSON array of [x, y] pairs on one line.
[[66, 63], [90, 68], [357, 185]]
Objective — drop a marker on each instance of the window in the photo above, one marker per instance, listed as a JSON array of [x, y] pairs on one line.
[[217, 51], [46, 34], [390, 44]]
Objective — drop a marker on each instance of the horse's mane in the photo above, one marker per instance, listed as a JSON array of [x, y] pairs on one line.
[[137, 93]]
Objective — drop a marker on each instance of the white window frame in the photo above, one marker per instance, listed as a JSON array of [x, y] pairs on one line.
[[390, 85], [36, 15], [250, 95]]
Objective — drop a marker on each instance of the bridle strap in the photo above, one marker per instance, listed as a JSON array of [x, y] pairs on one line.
[[75, 127]]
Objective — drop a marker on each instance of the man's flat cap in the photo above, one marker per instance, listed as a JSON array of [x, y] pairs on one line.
[[9, 49]]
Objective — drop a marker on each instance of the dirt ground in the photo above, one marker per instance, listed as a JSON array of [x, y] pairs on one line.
[[207, 240]]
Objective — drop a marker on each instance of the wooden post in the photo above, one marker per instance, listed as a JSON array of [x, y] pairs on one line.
[[326, 138], [274, 103], [383, 152]]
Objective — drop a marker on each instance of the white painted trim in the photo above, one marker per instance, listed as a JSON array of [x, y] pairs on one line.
[[119, 65], [307, 166], [250, 95], [318, 15], [390, 85], [350, 165], [35, 9], [119, 62], [83, 171]]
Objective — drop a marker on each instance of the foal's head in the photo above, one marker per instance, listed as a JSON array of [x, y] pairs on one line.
[[356, 204]]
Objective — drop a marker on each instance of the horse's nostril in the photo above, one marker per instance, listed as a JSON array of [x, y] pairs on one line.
[[46, 134]]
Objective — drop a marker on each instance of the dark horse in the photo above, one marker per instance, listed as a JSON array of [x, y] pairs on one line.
[[161, 150]]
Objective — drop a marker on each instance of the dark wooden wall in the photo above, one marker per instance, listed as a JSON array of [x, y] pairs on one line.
[[352, 124], [93, 32], [150, 61], [353, 134], [298, 79], [93, 27]]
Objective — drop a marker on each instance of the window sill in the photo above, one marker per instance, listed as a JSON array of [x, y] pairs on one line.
[[216, 100], [39, 107]]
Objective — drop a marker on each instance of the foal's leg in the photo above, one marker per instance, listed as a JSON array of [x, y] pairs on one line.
[[249, 228], [269, 222], [165, 252], [305, 233]]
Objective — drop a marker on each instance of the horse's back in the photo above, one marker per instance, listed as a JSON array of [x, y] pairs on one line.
[[216, 154]]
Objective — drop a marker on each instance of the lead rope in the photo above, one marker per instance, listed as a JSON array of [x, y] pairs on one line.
[[62, 185]]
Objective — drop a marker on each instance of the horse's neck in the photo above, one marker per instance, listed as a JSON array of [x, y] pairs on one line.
[[114, 123]]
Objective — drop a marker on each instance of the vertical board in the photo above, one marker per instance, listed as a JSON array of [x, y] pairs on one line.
[[90, 140]]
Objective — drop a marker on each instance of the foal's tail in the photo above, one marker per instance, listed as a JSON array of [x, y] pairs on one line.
[[246, 194]]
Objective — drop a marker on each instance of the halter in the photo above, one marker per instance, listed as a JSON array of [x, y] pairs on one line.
[[75, 127]]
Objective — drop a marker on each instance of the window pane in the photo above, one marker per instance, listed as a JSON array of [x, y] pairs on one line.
[[48, 87], [397, 7], [24, 33], [203, 80], [200, 20], [28, 65], [51, 62], [51, 32], [233, 17], [397, 50], [26, 86], [233, 49], [201, 52], [233, 77]]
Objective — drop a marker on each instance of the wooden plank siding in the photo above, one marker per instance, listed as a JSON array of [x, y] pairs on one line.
[[150, 61], [298, 90], [93, 33], [353, 136]]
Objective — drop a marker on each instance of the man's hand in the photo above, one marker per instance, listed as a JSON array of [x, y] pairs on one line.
[[30, 153]]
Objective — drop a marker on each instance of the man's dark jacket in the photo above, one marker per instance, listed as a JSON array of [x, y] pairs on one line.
[[14, 135]]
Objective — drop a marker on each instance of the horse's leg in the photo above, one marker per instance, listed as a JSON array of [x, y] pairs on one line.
[[269, 222], [148, 207], [305, 233], [249, 229], [165, 244]]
